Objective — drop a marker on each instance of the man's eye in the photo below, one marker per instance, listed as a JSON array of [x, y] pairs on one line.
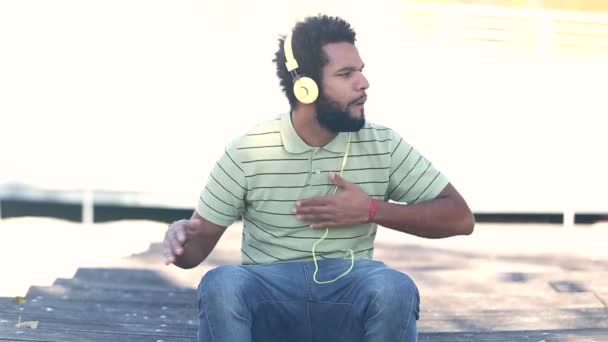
[[346, 74]]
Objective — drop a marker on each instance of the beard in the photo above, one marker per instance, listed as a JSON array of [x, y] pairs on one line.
[[337, 118]]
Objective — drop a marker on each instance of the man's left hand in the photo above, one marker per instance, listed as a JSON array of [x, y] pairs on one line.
[[347, 207]]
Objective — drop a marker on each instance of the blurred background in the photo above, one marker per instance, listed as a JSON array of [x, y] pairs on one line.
[[118, 109], [113, 112]]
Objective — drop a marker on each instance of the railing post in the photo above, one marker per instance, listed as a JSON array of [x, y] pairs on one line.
[[569, 218], [87, 207]]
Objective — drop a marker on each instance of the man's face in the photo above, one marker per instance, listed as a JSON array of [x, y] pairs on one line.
[[342, 96]]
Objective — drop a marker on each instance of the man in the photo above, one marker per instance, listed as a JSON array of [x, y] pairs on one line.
[[311, 187]]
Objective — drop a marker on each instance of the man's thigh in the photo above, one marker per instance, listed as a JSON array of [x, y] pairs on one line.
[[344, 307], [280, 308], [293, 307]]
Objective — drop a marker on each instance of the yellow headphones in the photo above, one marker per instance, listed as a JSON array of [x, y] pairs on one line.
[[305, 88]]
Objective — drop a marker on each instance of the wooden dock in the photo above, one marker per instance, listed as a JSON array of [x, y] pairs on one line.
[[482, 293]]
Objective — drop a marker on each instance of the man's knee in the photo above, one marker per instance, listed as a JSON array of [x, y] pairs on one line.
[[223, 286], [390, 290]]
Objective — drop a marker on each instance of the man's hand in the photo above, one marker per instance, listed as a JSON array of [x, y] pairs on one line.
[[348, 207], [176, 237]]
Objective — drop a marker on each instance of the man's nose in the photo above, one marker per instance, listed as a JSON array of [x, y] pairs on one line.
[[363, 83]]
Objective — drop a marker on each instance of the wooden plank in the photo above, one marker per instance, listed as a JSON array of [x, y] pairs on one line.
[[486, 320], [74, 335], [474, 321], [454, 320], [85, 284], [152, 319], [578, 335], [70, 320], [500, 320], [451, 301], [128, 305], [123, 314], [124, 276], [110, 295], [51, 335], [86, 304], [441, 315], [115, 311], [500, 301], [162, 329]]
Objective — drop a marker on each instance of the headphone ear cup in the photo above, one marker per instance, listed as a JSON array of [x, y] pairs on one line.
[[306, 90]]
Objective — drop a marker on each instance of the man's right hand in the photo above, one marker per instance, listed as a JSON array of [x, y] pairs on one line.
[[188, 242], [177, 236]]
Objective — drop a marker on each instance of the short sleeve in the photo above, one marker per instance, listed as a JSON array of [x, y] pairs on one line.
[[222, 201], [412, 177]]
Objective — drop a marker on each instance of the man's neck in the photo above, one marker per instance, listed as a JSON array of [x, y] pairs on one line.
[[308, 127]]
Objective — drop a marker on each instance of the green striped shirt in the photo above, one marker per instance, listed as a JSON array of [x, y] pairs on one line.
[[262, 174]]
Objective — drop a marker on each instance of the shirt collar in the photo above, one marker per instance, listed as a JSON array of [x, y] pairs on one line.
[[294, 144]]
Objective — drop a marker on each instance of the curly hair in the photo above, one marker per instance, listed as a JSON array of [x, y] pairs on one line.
[[308, 38]]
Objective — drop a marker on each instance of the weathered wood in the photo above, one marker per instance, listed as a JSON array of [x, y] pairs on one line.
[[75, 335], [489, 320], [500, 320], [472, 320], [110, 295], [460, 301], [578, 335], [87, 303], [131, 316], [99, 326], [124, 276], [455, 301], [115, 311], [43, 334], [110, 285], [451, 301]]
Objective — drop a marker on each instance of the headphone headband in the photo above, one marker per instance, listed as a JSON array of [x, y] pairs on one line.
[[290, 60]]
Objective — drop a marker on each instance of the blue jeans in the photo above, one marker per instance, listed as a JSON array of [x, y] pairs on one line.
[[281, 302]]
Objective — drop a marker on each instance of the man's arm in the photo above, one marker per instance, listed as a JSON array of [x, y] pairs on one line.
[[446, 215], [188, 242], [221, 202]]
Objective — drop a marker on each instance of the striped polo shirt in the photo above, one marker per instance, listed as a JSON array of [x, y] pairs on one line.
[[263, 173]]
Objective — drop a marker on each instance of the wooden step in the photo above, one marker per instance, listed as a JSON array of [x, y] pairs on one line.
[[100, 295], [87, 284], [124, 276], [114, 312], [578, 335]]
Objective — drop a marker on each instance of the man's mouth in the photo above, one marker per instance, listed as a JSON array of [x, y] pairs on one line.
[[360, 101]]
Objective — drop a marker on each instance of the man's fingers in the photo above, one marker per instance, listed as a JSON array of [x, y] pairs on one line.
[[176, 246], [311, 210], [179, 234], [314, 213], [317, 217], [167, 251], [312, 202], [169, 259], [341, 183]]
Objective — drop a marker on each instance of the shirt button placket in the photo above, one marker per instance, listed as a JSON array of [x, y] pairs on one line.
[[314, 170]]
